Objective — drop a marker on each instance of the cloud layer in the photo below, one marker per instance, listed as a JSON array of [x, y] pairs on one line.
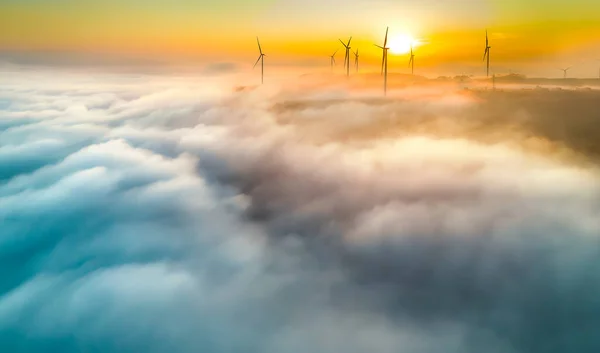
[[163, 213]]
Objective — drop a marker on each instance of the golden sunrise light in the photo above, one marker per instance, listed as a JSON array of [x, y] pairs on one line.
[[299, 176], [298, 32], [401, 43]]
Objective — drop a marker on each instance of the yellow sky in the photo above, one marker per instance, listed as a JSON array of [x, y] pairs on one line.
[[450, 29]]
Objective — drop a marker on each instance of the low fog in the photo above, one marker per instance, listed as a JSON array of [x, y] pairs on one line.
[[171, 213]]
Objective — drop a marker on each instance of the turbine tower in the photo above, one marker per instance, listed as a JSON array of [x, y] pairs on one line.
[[565, 71], [347, 57], [356, 59], [411, 61], [332, 57], [486, 53], [262, 62], [384, 69]]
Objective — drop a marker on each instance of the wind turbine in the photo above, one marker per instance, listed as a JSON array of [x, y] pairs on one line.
[[385, 49], [333, 59], [262, 62], [565, 71], [411, 61], [356, 59], [486, 53], [347, 57]]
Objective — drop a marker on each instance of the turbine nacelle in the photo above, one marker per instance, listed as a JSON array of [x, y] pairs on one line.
[[346, 45], [486, 53]]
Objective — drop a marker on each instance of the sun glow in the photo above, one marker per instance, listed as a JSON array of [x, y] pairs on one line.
[[400, 44]]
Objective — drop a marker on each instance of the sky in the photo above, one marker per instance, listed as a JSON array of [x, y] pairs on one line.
[[523, 33]]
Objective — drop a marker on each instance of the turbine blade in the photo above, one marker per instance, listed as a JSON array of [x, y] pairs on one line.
[[386, 35], [344, 44], [349, 40], [256, 63], [259, 48], [378, 46]]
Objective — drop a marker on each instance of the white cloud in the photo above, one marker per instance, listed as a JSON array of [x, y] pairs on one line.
[[144, 214]]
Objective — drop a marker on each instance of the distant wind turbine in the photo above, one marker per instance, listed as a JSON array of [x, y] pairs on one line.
[[347, 57], [332, 57], [411, 61], [384, 67], [565, 71], [356, 59], [262, 62], [486, 53]]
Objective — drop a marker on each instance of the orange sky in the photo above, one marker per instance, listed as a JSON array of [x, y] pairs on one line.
[[304, 30]]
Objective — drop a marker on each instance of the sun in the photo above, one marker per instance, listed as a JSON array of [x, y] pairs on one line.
[[400, 44]]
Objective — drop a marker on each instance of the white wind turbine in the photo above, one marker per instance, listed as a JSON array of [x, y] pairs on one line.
[[347, 57], [384, 66], [262, 60]]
